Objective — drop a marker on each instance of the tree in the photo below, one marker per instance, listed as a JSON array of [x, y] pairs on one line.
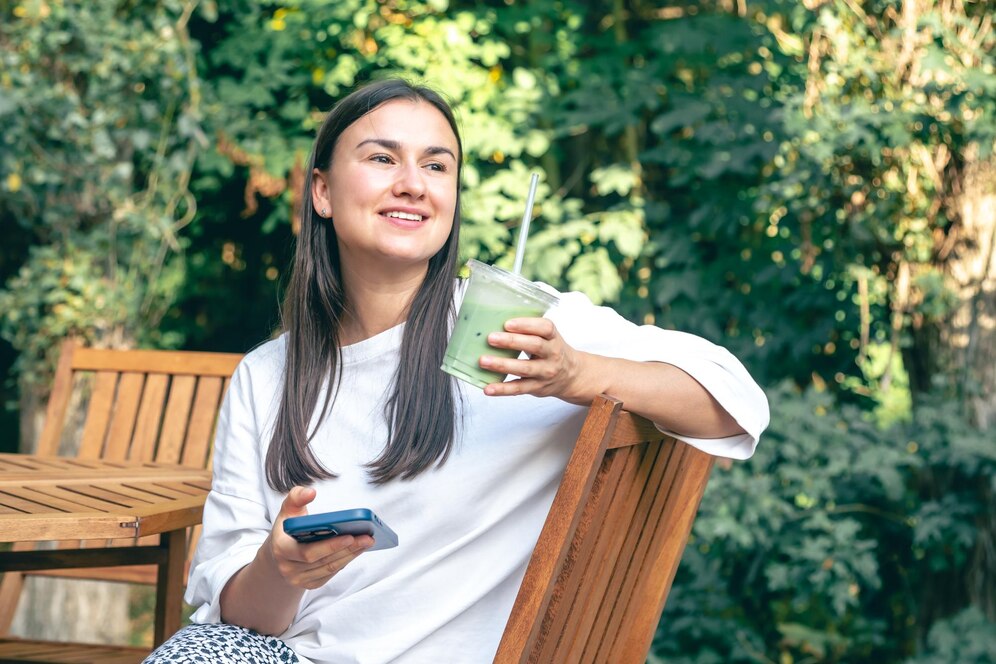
[[893, 161]]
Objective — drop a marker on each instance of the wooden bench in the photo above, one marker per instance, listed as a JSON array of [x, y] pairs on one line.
[[140, 405], [596, 585]]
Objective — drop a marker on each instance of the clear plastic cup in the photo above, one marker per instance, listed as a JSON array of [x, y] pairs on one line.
[[493, 296]]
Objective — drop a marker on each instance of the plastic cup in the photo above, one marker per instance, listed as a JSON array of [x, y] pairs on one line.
[[493, 296]]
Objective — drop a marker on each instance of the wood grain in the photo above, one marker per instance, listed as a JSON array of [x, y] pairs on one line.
[[599, 576]]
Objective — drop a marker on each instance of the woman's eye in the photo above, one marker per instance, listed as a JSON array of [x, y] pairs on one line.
[[436, 166], [381, 159]]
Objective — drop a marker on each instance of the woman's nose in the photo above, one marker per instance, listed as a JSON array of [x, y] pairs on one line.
[[410, 181]]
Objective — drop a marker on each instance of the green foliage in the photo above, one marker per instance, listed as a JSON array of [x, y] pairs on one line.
[[822, 546], [99, 108], [780, 177], [79, 288], [967, 638]]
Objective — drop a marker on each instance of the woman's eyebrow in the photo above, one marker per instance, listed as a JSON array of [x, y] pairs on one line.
[[389, 144]]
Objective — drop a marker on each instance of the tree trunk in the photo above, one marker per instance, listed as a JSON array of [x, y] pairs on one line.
[[971, 340], [960, 348], [973, 274]]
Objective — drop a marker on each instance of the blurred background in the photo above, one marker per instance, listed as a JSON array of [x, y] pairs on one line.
[[809, 183]]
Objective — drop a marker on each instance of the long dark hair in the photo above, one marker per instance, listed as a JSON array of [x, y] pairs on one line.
[[421, 407]]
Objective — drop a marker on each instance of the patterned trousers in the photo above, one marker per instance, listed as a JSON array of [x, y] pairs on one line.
[[222, 644]]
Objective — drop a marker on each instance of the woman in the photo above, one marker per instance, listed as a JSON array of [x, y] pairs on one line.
[[348, 408]]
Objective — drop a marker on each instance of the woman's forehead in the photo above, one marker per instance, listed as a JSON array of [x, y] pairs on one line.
[[409, 124]]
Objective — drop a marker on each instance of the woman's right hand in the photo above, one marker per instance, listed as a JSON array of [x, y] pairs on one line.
[[309, 565]]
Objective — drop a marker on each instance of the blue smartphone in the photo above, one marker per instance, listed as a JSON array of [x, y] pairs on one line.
[[314, 527]]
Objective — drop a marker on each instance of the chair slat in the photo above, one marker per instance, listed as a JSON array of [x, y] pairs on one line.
[[22, 504], [202, 419], [181, 488], [76, 498], [527, 612], [624, 464], [170, 492], [563, 622], [156, 361], [136, 494], [150, 413], [58, 401], [623, 544], [98, 415], [175, 419], [113, 497], [55, 502], [23, 650], [635, 548], [123, 418], [661, 564], [632, 429]]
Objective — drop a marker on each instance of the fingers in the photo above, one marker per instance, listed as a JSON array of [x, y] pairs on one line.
[[530, 344], [313, 554], [312, 565], [535, 367], [540, 327], [296, 502], [514, 387]]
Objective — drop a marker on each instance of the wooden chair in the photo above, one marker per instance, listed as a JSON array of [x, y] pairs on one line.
[[143, 405], [596, 584]]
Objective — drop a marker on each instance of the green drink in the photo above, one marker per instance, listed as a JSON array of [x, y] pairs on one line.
[[493, 296]]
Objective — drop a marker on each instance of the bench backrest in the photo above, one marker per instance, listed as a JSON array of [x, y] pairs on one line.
[[143, 405], [596, 584]]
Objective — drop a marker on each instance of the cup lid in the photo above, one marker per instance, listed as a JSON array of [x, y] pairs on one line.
[[514, 281]]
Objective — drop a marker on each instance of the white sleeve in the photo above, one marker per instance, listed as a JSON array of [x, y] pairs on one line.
[[236, 519], [603, 331]]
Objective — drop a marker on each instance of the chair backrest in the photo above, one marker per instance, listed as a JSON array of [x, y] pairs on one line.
[[595, 587], [143, 405]]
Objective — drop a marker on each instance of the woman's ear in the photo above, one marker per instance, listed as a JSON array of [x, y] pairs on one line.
[[320, 198]]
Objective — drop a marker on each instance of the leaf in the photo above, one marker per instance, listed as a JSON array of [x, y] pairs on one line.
[[594, 274], [617, 178], [685, 115]]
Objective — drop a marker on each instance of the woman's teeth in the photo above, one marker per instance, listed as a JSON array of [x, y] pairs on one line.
[[405, 215]]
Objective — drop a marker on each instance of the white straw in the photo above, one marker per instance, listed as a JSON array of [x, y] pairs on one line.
[[520, 249]]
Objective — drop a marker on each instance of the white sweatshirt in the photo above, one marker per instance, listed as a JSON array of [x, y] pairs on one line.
[[466, 530]]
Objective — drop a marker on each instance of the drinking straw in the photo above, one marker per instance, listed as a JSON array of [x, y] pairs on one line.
[[520, 248]]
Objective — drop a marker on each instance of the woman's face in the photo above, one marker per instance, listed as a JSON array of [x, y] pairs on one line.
[[391, 189]]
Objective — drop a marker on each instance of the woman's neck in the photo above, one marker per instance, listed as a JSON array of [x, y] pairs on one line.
[[376, 304]]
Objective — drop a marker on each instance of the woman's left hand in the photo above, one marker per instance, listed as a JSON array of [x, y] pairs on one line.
[[553, 368]]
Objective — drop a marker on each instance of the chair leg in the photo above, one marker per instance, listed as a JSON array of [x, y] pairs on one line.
[[11, 585], [169, 585]]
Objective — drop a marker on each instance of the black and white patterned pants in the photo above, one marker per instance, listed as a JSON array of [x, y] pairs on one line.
[[221, 644]]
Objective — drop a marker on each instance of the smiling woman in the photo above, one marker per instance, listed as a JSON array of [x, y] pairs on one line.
[[349, 409]]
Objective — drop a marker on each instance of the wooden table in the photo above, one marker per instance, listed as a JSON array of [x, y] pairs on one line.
[[59, 498]]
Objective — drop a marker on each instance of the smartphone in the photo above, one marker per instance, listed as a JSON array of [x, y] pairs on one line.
[[314, 527]]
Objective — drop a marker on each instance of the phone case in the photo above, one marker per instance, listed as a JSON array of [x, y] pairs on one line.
[[361, 521]]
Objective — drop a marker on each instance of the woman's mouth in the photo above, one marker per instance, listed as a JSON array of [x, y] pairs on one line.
[[405, 216]]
